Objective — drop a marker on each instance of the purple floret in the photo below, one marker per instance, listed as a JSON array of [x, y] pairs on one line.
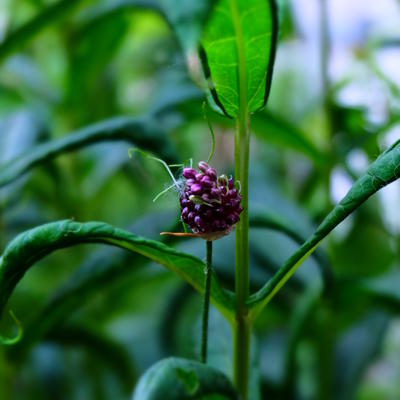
[[209, 204]]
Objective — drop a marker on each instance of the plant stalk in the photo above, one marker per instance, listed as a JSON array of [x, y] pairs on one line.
[[242, 328], [206, 302]]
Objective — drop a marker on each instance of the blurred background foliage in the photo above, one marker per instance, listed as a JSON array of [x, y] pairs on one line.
[[96, 318]]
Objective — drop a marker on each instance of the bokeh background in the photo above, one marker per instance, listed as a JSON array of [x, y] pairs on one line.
[[96, 318]]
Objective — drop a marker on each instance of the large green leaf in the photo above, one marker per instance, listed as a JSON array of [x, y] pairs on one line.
[[175, 378], [239, 43], [142, 132], [99, 271], [383, 171], [31, 246], [105, 267]]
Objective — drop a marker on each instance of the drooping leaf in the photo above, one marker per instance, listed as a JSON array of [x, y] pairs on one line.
[[29, 30], [96, 274], [383, 171], [142, 132], [239, 43], [103, 268], [31, 246], [175, 378]]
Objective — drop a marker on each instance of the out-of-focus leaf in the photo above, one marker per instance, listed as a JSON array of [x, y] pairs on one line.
[[174, 90], [187, 19], [95, 15], [355, 350], [383, 171], [239, 43], [174, 305], [349, 257], [385, 287], [102, 347], [20, 132], [28, 31], [142, 132], [22, 75], [352, 120], [89, 77], [286, 23], [175, 378], [271, 128], [184, 338], [31, 246], [274, 222], [303, 309], [98, 272]]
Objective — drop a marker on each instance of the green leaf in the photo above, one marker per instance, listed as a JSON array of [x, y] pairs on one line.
[[101, 270], [239, 43], [88, 64], [142, 132], [52, 14], [31, 246], [383, 171], [175, 378]]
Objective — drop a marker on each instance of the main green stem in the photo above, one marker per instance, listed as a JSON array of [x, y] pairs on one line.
[[242, 328], [206, 302], [242, 325]]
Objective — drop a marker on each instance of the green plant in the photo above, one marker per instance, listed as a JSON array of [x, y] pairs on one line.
[[235, 42]]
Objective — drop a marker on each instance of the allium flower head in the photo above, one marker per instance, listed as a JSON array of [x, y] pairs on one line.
[[210, 205]]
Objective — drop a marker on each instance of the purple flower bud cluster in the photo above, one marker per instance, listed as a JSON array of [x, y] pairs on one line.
[[209, 204]]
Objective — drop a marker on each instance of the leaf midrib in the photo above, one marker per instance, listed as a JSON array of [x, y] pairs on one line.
[[242, 78]]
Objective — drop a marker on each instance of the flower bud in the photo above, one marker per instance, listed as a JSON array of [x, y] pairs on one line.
[[210, 205], [203, 166], [212, 173], [189, 173]]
